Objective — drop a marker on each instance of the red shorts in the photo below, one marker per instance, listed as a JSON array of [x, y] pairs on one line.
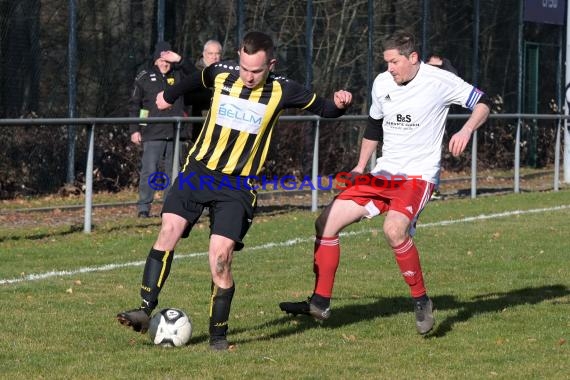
[[378, 195]]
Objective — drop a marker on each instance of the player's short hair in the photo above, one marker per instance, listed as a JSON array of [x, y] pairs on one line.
[[258, 41], [404, 42]]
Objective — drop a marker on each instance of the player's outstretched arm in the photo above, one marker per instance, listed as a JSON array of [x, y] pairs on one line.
[[190, 83], [459, 141], [298, 96]]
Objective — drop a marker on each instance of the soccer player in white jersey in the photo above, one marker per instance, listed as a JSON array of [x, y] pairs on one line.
[[410, 102]]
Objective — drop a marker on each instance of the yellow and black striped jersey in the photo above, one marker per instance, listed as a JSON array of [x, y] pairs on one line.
[[237, 131]]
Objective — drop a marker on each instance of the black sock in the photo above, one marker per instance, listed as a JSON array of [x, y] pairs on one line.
[[220, 305], [156, 271]]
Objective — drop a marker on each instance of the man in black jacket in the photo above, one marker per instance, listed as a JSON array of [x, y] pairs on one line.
[[157, 139]]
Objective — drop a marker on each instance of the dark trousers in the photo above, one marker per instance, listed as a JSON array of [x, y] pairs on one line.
[[155, 152]]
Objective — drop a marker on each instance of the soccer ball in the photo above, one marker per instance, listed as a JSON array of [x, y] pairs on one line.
[[170, 328]]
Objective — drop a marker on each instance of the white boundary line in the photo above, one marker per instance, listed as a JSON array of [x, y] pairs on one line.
[[286, 243]]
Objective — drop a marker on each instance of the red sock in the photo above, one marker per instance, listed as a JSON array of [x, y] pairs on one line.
[[408, 260], [326, 259]]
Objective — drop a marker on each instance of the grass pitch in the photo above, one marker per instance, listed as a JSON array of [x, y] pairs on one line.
[[496, 268]]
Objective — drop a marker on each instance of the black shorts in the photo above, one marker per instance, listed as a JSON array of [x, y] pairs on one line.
[[230, 200]]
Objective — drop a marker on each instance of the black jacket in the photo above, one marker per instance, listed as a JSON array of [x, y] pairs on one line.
[[148, 83]]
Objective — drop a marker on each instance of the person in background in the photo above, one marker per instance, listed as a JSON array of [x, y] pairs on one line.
[[156, 139], [200, 100], [441, 62], [212, 53], [410, 101], [229, 150]]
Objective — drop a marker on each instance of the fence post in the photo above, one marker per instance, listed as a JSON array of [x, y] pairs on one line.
[[557, 157], [71, 88], [518, 156], [566, 159], [89, 179], [315, 173]]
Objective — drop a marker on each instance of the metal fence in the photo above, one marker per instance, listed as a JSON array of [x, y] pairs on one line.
[[92, 123]]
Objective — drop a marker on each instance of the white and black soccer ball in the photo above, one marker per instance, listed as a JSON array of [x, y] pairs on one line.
[[170, 328]]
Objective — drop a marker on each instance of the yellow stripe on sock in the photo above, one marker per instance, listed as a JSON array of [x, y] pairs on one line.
[[214, 291], [163, 269]]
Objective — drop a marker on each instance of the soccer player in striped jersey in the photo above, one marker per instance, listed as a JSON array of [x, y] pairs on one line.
[[410, 102], [232, 146]]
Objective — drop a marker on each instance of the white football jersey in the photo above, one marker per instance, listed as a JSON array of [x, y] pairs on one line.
[[414, 119]]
